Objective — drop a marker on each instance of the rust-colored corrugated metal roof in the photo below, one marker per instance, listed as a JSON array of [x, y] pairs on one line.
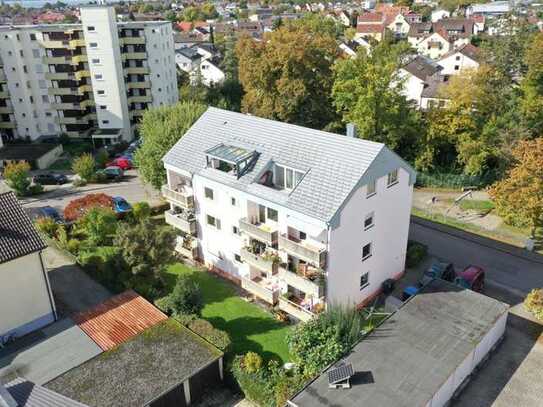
[[118, 319]]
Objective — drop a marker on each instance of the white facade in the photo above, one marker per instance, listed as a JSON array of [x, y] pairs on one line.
[[362, 245], [433, 46], [25, 296], [79, 78], [399, 26], [439, 15], [412, 86], [456, 62]]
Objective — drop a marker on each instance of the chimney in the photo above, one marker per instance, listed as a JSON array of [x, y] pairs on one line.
[[6, 399], [351, 130]]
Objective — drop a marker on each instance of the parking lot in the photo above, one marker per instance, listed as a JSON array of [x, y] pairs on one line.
[[513, 375]]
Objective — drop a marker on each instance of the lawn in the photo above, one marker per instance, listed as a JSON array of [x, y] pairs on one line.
[[249, 326], [476, 205]]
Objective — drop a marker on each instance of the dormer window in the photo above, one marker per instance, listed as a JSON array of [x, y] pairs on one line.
[[281, 177], [231, 159]]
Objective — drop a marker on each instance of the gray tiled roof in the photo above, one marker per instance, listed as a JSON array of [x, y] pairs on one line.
[[28, 394], [422, 67], [333, 164], [18, 237]]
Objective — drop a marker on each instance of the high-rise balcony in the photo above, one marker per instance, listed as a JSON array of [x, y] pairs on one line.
[[259, 288], [260, 231], [186, 222], [136, 70], [134, 55], [6, 109], [80, 42], [140, 99], [59, 76], [63, 91], [132, 40], [311, 253], [183, 197], [294, 309], [309, 284], [138, 85]]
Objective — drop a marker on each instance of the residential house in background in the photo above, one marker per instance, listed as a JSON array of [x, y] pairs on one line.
[[298, 217], [350, 48], [26, 300], [201, 62], [93, 79], [434, 40], [465, 57], [414, 76]]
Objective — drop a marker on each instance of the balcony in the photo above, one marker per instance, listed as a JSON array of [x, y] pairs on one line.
[[84, 88], [138, 85], [59, 76], [183, 197], [136, 113], [140, 99], [258, 288], [62, 91], [182, 221], [77, 43], [4, 94], [310, 287], [294, 309], [56, 60], [132, 40], [77, 59], [6, 109], [55, 44], [266, 262], [86, 103], [134, 55], [3, 77], [262, 232], [82, 74], [303, 250], [136, 70], [187, 247]]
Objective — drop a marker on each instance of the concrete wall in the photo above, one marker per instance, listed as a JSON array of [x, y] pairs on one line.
[[49, 158], [24, 296], [391, 207]]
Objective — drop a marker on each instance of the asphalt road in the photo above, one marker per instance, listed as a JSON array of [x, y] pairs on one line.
[[517, 273]]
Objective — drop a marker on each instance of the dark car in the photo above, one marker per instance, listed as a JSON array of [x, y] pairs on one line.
[[50, 178], [113, 172], [49, 212], [438, 269]]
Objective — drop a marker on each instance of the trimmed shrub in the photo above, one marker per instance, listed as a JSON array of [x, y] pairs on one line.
[[84, 166], [252, 362], [141, 211], [185, 298], [98, 225], [534, 303], [416, 252], [17, 177]]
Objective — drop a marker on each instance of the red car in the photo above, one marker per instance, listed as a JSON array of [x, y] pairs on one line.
[[472, 277], [123, 163]]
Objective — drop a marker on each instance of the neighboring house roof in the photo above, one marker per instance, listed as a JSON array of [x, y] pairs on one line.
[[188, 26], [118, 319], [333, 164], [25, 151], [28, 394], [409, 357], [422, 67], [457, 27], [370, 17], [468, 50], [140, 370], [189, 52], [434, 86], [370, 28], [18, 236], [419, 29]]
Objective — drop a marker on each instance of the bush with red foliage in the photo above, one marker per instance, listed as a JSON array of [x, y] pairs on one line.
[[79, 207]]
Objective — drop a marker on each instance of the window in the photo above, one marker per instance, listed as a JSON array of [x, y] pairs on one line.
[[287, 177], [233, 201], [372, 189], [392, 178], [90, 28], [272, 214], [36, 53], [21, 53], [237, 257], [458, 57], [32, 37], [208, 193], [368, 221], [93, 44], [98, 76], [103, 107], [366, 252], [364, 280], [235, 230], [42, 84], [45, 98], [95, 60], [105, 121], [213, 221], [101, 92]]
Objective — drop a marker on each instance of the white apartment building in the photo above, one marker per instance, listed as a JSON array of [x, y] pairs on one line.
[[92, 79], [299, 217]]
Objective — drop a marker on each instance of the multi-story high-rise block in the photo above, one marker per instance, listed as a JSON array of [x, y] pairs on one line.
[[92, 79]]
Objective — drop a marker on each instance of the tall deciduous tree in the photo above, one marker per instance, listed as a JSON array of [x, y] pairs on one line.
[[519, 196], [17, 175], [160, 129], [288, 75], [367, 91], [532, 86]]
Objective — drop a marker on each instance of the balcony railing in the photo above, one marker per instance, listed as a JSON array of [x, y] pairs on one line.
[[4, 94], [183, 198], [302, 250], [136, 70], [134, 55], [258, 261], [262, 232], [189, 250], [6, 109], [138, 85], [181, 223], [295, 310], [132, 40], [7, 125], [301, 283], [63, 91], [260, 291], [140, 99], [56, 76]]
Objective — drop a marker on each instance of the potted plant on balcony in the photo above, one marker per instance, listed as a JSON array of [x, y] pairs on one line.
[[271, 257]]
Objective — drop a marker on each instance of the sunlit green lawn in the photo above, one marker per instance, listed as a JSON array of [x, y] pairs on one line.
[[249, 326]]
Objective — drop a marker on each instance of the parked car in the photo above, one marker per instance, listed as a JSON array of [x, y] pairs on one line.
[[439, 269], [50, 178], [112, 172], [472, 277], [49, 212], [122, 162], [120, 206]]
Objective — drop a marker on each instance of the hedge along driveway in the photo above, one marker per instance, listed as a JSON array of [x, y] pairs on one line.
[[249, 326]]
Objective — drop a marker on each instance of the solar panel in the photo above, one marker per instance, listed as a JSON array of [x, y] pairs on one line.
[[340, 374]]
